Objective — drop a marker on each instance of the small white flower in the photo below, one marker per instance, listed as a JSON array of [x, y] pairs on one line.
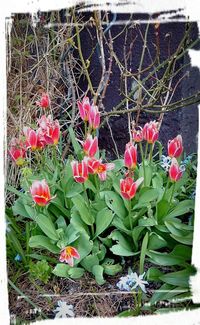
[[165, 162], [138, 281], [63, 310], [7, 226], [123, 284], [132, 281]]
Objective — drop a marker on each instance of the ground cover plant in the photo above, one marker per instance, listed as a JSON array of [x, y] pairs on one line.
[[79, 220]]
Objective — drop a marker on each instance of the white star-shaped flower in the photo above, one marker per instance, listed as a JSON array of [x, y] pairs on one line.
[[63, 310], [138, 281]]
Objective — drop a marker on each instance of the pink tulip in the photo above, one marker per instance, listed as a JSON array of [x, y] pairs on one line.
[[44, 102], [17, 151], [68, 254], [40, 193], [50, 129], [45, 122], [137, 135], [90, 146], [150, 132], [84, 108], [175, 172], [128, 187], [130, 156], [97, 167], [94, 117], [80, 170], [34, 139], [93, 165], [175, 147]]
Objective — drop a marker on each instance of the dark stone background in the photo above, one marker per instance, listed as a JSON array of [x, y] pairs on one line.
[[184, 121]]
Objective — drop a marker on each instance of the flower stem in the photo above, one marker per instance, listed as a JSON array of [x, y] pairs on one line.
[[85, 128], [129, 214], [151, 152], [146, 150], [142, 156], [173, 188], [167, 185]]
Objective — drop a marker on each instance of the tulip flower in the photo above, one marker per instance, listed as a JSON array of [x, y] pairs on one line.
[[40, 193], [97, 167], [150, 132], [130, 156], [80, 170], [84, 108], [34, 139], [137, 135], [44, 101], [67, 255], [90, 146], [45, 122], [128, 187], [175, 147], [94, 117], [49, 129], [17, 151], [175, 171]]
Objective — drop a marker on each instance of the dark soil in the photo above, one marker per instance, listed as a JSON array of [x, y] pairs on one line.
[[87, 297]]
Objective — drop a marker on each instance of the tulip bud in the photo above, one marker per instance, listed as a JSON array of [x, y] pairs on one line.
[[80, 171], [84, 108], [175, 147], [175, 172], [94, 117], [40, 192], [150, 132], [17, 151], [128, 187], [90, 146], [130, 156], [137, 135], [44, 101]]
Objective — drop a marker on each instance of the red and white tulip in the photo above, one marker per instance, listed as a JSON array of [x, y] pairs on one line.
[[150, 132], [130, 156], [94, 117], [17, 151], [68, 254], [97, 167], [175, 172], [34, 139], [40, 192], [84, 108], [90, 146], [80, 170], [175, 147], [137, 135], [128, 187]]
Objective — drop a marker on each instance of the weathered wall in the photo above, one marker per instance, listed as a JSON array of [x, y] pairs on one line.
[[184, 121]]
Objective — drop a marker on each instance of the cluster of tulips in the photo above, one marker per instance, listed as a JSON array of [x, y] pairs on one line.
[[48, 134], [150, 134]]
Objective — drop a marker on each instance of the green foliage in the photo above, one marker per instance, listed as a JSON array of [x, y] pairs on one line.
[[40, 271]]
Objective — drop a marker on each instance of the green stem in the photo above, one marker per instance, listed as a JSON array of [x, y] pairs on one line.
[[85, 128], [146, 150], [142, 156], [151, 152], [173, 188], [167, 185], [129, 215]]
